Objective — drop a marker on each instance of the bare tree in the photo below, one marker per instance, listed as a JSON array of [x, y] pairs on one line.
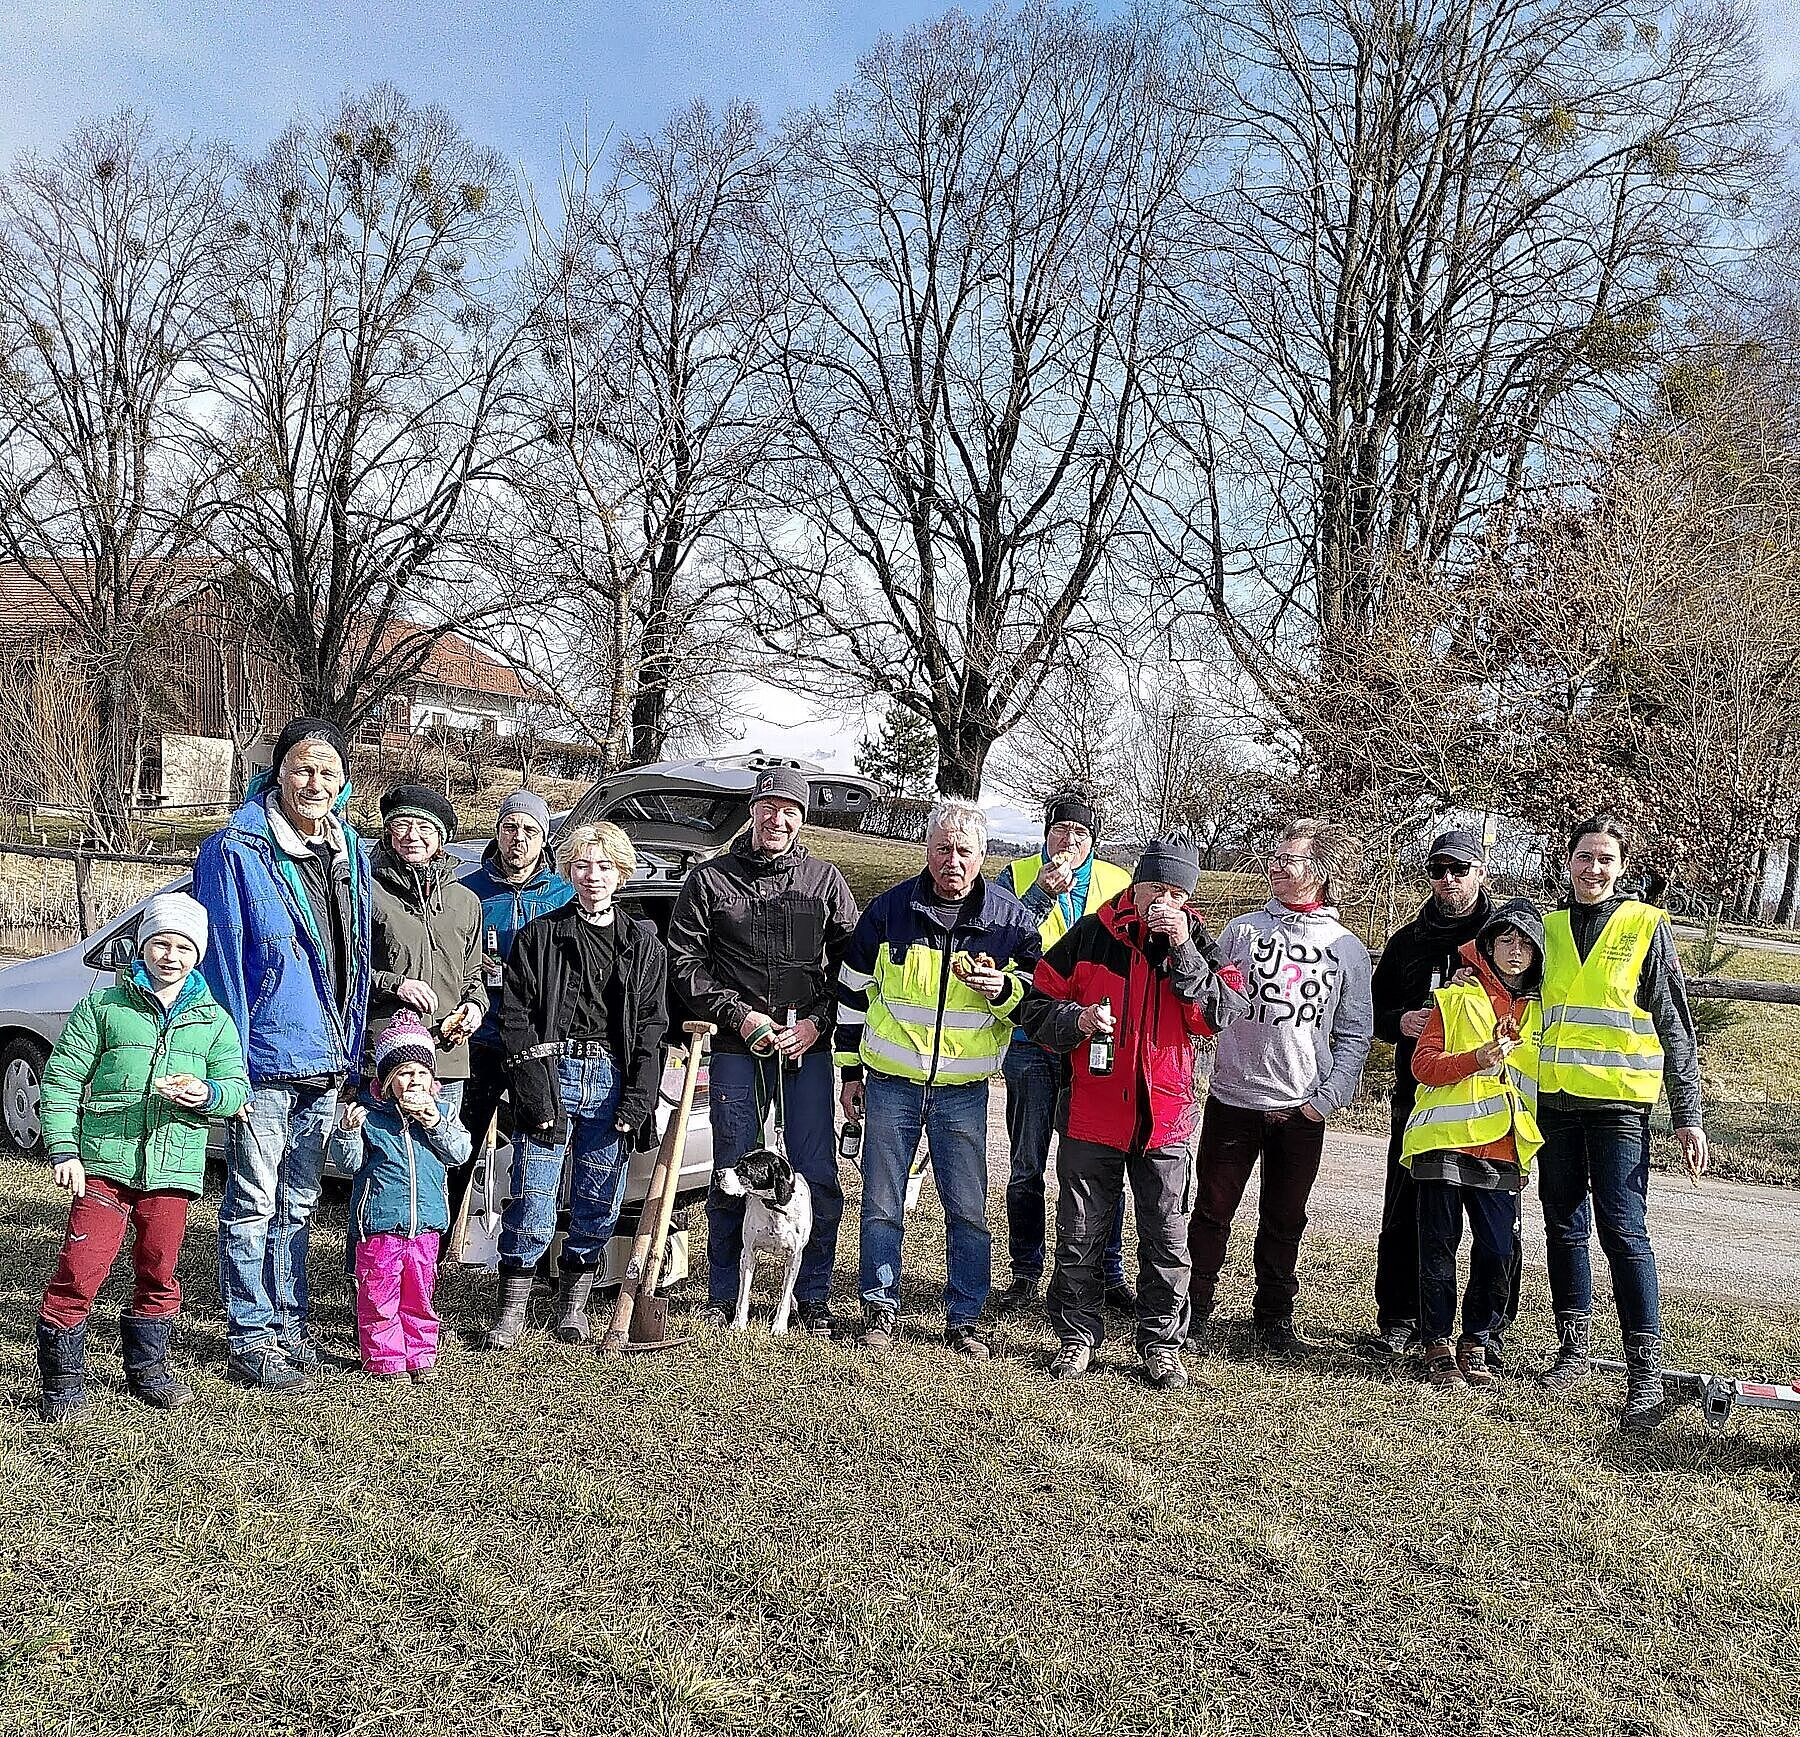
[[369, 374], [1452, 234], [978, 234], [107, 294], [651, 345]]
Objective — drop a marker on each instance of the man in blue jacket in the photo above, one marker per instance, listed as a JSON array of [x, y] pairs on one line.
[[515, 881], [286, 888]]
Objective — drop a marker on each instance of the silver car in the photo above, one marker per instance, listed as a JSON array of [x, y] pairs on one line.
[[676, 812]]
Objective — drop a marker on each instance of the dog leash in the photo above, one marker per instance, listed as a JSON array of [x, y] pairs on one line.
[[779, 1100]]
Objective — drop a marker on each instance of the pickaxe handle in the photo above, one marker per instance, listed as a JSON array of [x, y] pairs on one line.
[[659, 1203]]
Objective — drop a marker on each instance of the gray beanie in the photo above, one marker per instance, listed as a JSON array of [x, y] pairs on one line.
[[783, 784], [173, 914], [529, 804], [1172, 859]]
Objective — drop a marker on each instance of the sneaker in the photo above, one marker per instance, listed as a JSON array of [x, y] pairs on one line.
[[303, 1354], [425, 1372], [1162, 1368], [264, 1366], [815, 1318], [1071, 1360], [1020, 1294], [1472, 1360], [1121, 1298], [879, 1328], [1441, 1368], [963, 1342], [387, 1375], [1496, 1353], [1280, 1339], [714, 1315], [1391, 1343]]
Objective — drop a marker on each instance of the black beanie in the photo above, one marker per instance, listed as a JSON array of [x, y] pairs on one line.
[[1173, 859], [421, 800], [311, 730], [1071, 805]]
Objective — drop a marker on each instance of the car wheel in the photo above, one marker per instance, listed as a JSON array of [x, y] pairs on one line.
[[21, 1081]]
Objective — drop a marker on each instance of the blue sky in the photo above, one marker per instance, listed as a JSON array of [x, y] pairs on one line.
[[519, 75]]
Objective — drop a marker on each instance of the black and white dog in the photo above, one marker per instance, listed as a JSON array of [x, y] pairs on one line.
[[778, 1215]]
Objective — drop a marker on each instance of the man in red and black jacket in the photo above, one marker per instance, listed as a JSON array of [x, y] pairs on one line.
[[1128, 991]]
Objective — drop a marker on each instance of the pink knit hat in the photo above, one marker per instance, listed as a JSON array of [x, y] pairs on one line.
[[405, 1040]]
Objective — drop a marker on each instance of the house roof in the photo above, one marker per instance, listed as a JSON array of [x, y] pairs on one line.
[[39, 596], [36, 599]]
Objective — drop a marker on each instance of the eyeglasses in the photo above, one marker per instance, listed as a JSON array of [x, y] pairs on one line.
[[1448, 871], [1292, 865]]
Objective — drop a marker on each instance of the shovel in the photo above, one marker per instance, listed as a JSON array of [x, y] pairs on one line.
[[640, 1319]]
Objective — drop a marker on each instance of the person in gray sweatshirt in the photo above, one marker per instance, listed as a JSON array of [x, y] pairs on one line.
[[1279, 1073]]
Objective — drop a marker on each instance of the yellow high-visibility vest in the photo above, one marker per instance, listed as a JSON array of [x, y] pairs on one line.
[[1106, 880], [1485, 1106], [1598, 1041]]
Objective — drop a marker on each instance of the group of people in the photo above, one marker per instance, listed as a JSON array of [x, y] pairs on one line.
[[315, 989]]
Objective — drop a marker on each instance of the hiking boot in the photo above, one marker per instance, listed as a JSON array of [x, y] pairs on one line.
[[1280, 1338], [879, 1328], [1392, 1343], [509, 1319], [815, 1318], [144, 1341], [1496, 1353], [1121, 1298], [1471, 1359], [265, 1366], [62, 1363], [712, 1315], [963, 1342], [425, 1372], [1162, 1368], [1020, 1294], [1199, 1335], [1072, 1358], [1574, 1342], [572, 1291], [387, 1375], [303, 1354], [1441, 1367], [1646, 1404]]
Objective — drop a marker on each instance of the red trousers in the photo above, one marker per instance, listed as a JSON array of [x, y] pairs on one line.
[[98, 1221]]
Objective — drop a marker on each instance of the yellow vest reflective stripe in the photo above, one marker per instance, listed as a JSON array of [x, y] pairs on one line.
[[1106, 880], [1485, 1106], [905, 1036], [1598, 1042]]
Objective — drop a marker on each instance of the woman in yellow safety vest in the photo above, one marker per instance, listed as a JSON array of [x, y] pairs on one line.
[[1616, 1029], [1472, 1135]]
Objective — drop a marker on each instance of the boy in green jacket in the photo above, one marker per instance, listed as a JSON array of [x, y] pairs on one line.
[[128, 1090]]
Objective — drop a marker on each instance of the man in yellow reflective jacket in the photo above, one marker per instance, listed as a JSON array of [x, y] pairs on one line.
[[926, 996]]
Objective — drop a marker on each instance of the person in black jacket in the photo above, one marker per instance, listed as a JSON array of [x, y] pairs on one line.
[[1419, 957], [755, 943], [582, 1020]]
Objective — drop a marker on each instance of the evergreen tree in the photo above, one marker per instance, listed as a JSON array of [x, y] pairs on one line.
[[900, 754]]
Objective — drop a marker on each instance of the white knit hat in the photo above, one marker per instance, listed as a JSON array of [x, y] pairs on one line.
[[174, 914]]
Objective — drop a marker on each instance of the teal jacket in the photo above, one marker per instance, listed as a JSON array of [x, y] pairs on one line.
[[97, 1104]]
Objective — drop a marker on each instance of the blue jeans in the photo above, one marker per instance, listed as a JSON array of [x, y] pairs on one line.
[[1602, 1157], [273, 1165], [1033, 1079], [1493, 1218], [735, 1086], [953, 1120], [600, 1165]]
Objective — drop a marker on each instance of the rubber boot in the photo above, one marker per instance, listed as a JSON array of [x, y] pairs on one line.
[[1645, 1403], [509, 1322], [62, 1361], [144, 1340], [572, 1292], [1573, 1363]]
